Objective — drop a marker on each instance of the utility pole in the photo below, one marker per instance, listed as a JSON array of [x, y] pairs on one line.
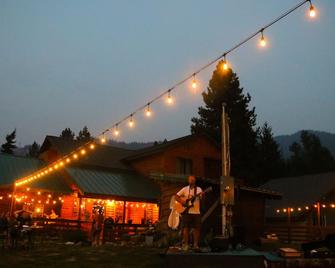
[[226, 182]]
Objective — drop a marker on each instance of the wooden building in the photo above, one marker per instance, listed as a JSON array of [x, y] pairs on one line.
[[135, 186]]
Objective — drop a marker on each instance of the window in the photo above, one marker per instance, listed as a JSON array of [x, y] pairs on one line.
[[184, 166]]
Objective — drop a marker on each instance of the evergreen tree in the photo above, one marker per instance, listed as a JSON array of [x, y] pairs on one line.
[[309, 156], [9, 146], [84, 135], [271, 164], [34, 150], [224, 87], [67, 133]]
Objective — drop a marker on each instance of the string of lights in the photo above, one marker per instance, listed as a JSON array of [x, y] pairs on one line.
[[305, 208], [115, 128]]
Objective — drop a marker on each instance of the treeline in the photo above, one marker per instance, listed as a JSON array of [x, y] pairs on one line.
[[9, 146]]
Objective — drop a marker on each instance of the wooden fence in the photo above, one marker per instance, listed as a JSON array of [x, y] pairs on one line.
[[299, 233]]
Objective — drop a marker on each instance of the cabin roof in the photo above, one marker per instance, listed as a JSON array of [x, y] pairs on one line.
[[104, 156], [300, 191], [14, 167], [161, 147], [112, 183]]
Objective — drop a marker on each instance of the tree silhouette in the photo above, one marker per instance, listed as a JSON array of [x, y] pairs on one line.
[[9, 146], [224, 87], [67, 133], [34, 150], [84, 135], [309, 156], [271, 164]]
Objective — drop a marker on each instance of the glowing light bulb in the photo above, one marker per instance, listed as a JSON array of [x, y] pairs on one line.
[[131, 121], [262, 42], [116, 131], [169, 99], [55, 166], [68, 160], [148, 111], [75, 156], [194, 82], [83, 151], [92, 146], [103, 140], [61, 163], [312, 12], [224, 65]]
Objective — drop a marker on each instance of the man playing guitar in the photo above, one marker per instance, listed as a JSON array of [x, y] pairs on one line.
[[191, 218]]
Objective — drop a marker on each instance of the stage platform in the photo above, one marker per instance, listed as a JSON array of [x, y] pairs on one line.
[[246, 258]]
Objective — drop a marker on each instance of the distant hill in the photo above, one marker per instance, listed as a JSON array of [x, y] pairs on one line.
[[327, 139]]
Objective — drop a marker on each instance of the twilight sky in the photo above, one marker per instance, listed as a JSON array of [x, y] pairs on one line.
[[70, 63]]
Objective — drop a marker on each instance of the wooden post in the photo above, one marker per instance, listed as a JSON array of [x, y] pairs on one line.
[[12, 202], [289, 225]]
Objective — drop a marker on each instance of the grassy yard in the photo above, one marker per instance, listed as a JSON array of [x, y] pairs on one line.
[[61, 255]]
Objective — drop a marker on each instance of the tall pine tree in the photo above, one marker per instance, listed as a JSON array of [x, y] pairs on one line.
[[224, 87], [84, 135], [9, 146], [309, 156], [34, 150], [271, 164], [67, 133]]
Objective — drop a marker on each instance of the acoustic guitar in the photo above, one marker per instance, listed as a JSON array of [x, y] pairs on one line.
[[178, 208]]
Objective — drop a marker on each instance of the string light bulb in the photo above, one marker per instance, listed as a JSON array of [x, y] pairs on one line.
[[169, 99], [92, 146], [224, 64], [116, 130], [148, 111], [131, 121], [312, 12], [194, 82], [262, 42], [103, 140]]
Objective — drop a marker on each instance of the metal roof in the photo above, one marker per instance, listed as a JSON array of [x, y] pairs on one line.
[[13, 167], [113, 183], [104, 156], [300, 191]]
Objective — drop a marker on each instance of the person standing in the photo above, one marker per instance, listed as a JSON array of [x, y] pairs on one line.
[[191, 218]]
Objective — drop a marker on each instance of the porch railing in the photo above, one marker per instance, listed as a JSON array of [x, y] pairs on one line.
[[299, 233]]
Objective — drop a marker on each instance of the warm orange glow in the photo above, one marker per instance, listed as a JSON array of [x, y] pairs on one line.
[[50, 169], [92, 146], [103, 140], [56, 166], [225, 65], [131, 122], [61, 163], [169, 100], [54, 202], [307, 208], [28, 189], [68, 160], [38, 210], [194, 83], [148, 111], [39, 193], [332, 205], [299, 209], [292, 209], [75, 156], [323, 205], [49, 195], [262, 43], [284, 210], [312, 12], [116, 132], [83, 151]]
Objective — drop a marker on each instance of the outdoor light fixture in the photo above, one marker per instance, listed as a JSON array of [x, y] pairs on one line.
[[224, 63], [131, 121], [194, 82], [148, 111], [169, 99], [262, 42], [312, 12], [92, 146], [103, 140], [116, 130]]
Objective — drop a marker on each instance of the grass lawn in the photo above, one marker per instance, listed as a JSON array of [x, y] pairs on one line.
[[61, 255]]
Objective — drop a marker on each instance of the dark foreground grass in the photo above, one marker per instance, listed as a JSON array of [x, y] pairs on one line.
[[60, 255]]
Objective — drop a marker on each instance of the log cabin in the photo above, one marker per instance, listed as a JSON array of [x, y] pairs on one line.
[[134, 186]]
